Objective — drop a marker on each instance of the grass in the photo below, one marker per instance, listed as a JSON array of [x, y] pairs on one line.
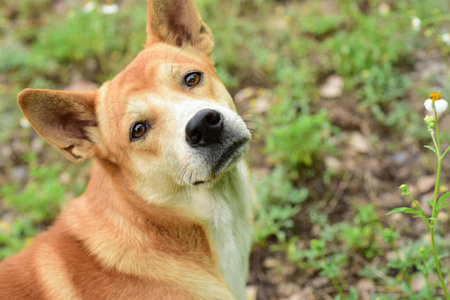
[[323, 221]]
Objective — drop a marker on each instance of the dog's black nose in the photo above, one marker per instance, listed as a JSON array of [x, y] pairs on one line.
[[204, 128]]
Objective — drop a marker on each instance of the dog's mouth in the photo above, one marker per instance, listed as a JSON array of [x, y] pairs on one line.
[[231, 154], [229, 157]]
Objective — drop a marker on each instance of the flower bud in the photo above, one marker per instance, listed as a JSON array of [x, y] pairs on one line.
[[405, 190], [430, 121]]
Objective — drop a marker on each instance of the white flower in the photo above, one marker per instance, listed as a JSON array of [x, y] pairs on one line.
[[440, 104], [88, 7], [415, 23], [446, 38], [110, 8], [24, 123]]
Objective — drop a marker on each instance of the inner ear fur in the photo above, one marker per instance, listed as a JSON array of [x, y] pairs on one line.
[[65, 119], [178, 22]]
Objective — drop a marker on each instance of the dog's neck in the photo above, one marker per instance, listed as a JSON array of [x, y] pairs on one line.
[[141, 229], [108, 197]]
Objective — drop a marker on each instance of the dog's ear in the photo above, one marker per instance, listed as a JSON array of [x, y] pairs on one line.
[[178, 22], [65, 119]]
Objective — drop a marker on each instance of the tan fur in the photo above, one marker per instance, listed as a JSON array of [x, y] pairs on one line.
[[140, 231]]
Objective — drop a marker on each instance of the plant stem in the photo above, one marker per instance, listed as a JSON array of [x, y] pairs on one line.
[[420, 208], [438, 172], [434, 142], [436, 260], [437, 131], [436, 191], [435, 212], [445, 153]]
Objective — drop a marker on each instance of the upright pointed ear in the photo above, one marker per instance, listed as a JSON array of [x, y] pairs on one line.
[[178, 22], [65, 119]]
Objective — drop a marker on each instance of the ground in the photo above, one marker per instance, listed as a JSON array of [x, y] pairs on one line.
[[333, 93]]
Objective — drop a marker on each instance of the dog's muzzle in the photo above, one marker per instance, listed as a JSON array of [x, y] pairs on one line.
[[216, 142]]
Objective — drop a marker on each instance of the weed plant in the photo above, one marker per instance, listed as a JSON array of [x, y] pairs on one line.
[[436, 105]]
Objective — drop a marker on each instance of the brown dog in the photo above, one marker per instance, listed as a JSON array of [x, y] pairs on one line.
[[166, 212]]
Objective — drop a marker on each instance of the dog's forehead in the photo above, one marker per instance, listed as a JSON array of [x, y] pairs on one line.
[[162, 61], [155, 69]]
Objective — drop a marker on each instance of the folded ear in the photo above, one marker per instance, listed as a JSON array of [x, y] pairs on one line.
[[65, 119], [178, 22]]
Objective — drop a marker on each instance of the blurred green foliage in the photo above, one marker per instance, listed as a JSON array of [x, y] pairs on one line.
[[38, 203], [288, 47], [42, 197], [279, 201], [300, 140]]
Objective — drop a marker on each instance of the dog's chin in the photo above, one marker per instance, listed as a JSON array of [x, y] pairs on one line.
[[226, 161]]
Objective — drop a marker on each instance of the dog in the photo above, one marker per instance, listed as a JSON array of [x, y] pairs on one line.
[[166, 213]]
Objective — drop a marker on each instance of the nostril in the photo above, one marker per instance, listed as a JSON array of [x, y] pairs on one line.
[[205, 128], [214, 118], [195, 137]]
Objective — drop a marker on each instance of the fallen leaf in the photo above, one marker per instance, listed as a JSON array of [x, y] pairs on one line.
[[423, 185], [332, 162], [358, 142], [271, 263], [365, 287], [251, 292], [333, 87], [418, 282]]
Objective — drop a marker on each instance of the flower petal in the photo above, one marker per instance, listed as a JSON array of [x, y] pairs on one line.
[[109, 9], [88, 7], [415, 23], [446, 38], [428, 104], [441, 105]]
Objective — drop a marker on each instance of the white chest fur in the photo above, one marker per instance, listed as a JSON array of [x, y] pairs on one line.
[[228, 215]]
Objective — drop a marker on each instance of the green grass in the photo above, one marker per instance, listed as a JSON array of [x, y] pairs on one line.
[[37, 203], [288, 48]]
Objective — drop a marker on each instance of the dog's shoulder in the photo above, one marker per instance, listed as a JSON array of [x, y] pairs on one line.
[[26, 282], [18, 283]]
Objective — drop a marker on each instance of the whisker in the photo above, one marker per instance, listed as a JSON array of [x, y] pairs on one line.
[[256, 122], [254, 130], [249, 114], [186, 169], [246, 110]]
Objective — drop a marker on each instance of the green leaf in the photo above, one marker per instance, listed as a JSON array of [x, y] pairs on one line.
[[430, 203], [431, 148], [406, 210], [444, 206], [443, 198]]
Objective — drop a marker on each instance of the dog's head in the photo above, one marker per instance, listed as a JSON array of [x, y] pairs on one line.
[[167, 119]]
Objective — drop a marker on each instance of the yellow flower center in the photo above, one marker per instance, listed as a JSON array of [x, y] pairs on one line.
[[435, 96]]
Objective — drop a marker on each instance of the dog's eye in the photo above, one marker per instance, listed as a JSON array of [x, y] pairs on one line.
[[138, 131], [193, 79]]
